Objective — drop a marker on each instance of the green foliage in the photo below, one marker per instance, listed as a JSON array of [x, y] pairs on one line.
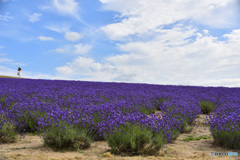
[[229, 139], [161, 100], [65, 137], [191, 138], [106, 99], [187, 129], [7, 133], [2, 100], [175, 134], [206, 106], [134, 140], [28, 122], [93, 130], [147, 111]]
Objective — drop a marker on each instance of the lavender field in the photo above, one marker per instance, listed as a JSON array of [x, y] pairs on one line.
[[75, 113]]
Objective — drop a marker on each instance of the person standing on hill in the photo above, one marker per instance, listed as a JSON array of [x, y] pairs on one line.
[[19, 72]]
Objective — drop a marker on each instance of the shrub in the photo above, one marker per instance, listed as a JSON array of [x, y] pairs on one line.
[[227, 138], [206, 107], [7, 132], [64, 137], [134, 140], [187, 129], [174, 134]]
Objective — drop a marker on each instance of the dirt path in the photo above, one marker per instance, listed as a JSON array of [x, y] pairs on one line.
[[31, 148]]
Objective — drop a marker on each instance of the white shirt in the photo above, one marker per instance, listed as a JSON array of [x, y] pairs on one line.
[[19, 73]]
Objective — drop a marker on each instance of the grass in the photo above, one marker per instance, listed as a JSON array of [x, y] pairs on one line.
[[191, 138], [20, 148], [2, 76]]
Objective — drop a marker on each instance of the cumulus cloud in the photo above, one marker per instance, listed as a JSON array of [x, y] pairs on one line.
[[74, 49], [67, 7], [161, 43], [233, 36], [34, 17], [80, 65], [72, 36], [60, 50], [87, 69], [204, 61], [82, 49], [140, 16], [43, 38]]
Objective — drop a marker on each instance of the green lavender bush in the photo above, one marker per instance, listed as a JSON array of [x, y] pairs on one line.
[[206, 106], [134, 140], [227, 138], [65, 137], [7, 132]]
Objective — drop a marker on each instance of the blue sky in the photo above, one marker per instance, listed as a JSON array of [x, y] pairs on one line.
[[184, 42]]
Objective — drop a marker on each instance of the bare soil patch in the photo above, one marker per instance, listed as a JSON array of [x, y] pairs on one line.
[[32, 148]]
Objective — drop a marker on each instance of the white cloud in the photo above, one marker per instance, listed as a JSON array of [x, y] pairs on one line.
[[10, 61], [164, 44], [199, 62], [82, 49], [5, 60], [68, 49], [59, 27], [5, 17], [65, 70], [72, 36], [74, 49], [35, 17], [234, 36], [169, 58], [1, 47], [60, 50], [87, 69], [68, 7], [140, 16], [43, 38], [8, 71], [45, 7]]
